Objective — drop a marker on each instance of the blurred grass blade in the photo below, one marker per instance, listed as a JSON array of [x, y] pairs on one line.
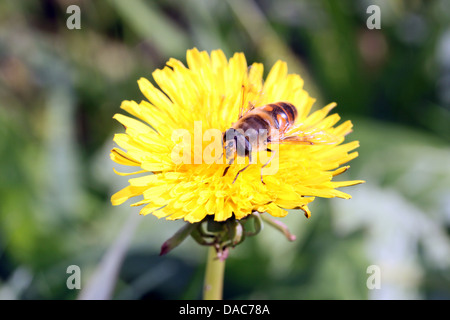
[[149, 23], [102, 283], [17, 283], [206, 33], [269, 43]]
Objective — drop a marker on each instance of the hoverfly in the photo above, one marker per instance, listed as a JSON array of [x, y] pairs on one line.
[[278, 122]]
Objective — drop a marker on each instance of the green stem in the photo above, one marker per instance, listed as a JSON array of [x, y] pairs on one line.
[[215, 267]]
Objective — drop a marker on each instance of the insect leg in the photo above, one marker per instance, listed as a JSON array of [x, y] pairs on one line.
[[271, 157], [228, 167], [240, 172], [249, 162]]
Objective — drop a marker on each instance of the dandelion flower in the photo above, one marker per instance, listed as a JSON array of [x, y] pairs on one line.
[[208, 94]]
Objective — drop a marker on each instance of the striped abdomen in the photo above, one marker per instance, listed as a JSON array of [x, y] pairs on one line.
[[280, 116]]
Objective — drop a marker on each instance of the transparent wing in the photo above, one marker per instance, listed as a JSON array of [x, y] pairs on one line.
[[245, 107], [308, 137]]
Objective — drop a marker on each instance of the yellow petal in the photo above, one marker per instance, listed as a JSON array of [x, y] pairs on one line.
[[306, 211], [121, 157], [276, 74], [275, 210], [125, 194], [132, 126], [155, 96], [127, 173]]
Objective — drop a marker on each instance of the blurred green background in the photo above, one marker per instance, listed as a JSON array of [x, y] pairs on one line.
[[59, 89]]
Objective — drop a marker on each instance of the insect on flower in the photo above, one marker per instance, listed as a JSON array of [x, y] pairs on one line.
[[268, 124]]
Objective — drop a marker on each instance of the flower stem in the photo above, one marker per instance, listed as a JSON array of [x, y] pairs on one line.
[[215, 267]]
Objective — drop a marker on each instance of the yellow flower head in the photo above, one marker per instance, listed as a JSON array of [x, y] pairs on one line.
[[173, 138]]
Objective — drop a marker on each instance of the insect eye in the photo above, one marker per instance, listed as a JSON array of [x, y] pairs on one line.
[[229, 135], [230, 144]]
